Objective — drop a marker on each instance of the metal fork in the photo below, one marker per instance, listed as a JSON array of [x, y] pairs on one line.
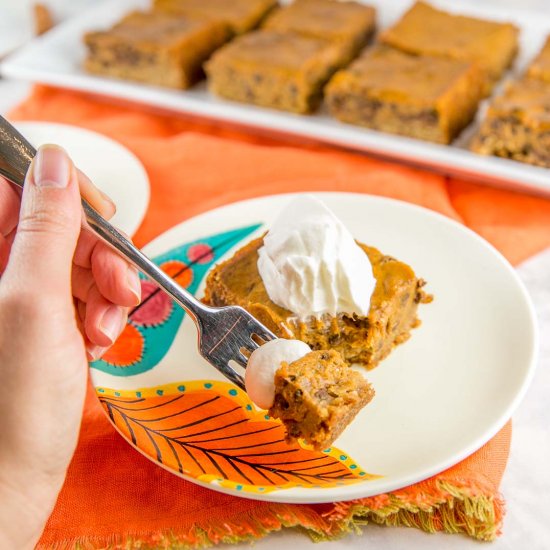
[[225, 334]]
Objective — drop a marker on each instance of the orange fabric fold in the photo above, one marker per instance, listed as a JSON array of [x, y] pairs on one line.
[[112, 495]]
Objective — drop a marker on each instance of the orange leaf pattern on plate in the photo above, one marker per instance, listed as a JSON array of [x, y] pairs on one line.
[[129, 346], [210, 431]]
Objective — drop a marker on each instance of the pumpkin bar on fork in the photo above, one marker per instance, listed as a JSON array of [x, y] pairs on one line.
[[317, 396]]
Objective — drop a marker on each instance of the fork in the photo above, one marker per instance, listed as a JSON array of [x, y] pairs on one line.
[[225, 334]]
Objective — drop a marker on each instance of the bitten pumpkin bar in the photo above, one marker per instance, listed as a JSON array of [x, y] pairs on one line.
[[425, 30], [517, 124], [240, 15], [155, 48], [364, 340], [426, 97], [317, 396], [349, 24], [284, 71]]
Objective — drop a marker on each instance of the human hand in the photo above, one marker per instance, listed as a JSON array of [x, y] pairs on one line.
[[64, 298]]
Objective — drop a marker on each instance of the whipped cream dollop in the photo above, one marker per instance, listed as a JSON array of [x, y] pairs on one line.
[[259, 378], [311, 265]]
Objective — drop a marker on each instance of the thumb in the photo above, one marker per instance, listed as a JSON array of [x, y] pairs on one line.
[[49, 225]]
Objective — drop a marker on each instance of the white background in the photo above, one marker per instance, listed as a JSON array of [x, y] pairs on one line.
[[526, 482]]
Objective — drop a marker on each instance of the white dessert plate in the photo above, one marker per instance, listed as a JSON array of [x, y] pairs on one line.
[[57, 58], [17, 20], [15, 25], [112, 167], [439, 396]]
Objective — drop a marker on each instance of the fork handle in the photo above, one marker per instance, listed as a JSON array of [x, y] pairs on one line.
[[16, 154]]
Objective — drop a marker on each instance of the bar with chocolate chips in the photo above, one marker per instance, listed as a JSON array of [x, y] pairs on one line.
[[155, 48]]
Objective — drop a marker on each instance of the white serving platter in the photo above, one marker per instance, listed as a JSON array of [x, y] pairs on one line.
[[56, 59]]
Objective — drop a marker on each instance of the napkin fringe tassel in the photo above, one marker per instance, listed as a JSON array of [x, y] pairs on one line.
[[453, 506], [467, 506], [240, 529]]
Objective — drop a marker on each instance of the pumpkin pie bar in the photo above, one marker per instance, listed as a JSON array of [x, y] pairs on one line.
[[349, 24], [240, 15], [155, 48], [540, 66], [317, 396], [425, 30], [284, 71], [426, 97], [517, 124], [364, 340]]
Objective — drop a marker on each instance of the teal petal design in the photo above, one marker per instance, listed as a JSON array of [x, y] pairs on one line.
[[157, 319]]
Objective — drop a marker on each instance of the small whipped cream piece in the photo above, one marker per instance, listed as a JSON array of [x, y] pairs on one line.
[[264, 362], [311, 265]]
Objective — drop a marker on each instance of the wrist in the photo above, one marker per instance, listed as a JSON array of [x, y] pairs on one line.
[[26, 501]]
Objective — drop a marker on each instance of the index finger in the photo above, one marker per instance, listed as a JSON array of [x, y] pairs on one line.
[[97, 198], [9, 207], [10, 201]]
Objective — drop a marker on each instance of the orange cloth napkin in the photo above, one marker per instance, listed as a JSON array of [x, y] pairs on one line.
[[115, 497]]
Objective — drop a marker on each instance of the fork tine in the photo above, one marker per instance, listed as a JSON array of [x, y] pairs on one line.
[[264, 335], [234, 377], [227, 371], [228, 335], [245, 352], [252, 345], [240, 361]]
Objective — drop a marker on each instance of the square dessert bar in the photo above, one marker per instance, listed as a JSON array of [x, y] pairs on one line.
[[284, 71], [425, 30], [155, 47], [240, 15], [517, 125], [350, 24], [540, 66], [365, 340], [427, 97], [317, 396]]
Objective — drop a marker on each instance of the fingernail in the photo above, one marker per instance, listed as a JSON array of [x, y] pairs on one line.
[[108, 199], [94, 353], [51, 167], [134, 283], [112, 323]]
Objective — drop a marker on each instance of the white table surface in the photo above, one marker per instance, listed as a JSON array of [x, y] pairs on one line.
[[526, 482]]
